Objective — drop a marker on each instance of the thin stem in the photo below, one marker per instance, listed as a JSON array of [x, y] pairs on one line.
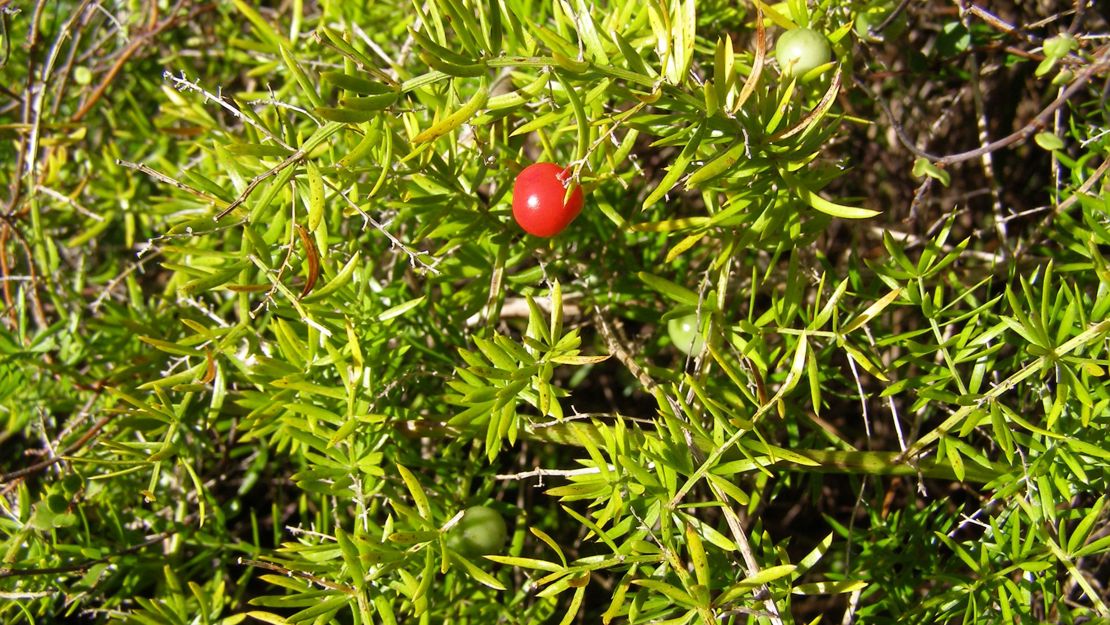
[[1019, 136]]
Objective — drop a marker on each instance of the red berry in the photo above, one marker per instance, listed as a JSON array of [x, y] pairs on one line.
[[538, 200]]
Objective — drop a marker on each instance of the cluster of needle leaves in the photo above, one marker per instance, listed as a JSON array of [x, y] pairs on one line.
[[268, 327]]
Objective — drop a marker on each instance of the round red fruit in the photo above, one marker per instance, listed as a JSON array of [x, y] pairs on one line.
[[538, 195]]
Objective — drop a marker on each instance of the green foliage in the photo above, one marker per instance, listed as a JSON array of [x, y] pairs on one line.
[[270, 328]]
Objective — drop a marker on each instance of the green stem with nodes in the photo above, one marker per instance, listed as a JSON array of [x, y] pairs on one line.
[[884, 463], [1084, 338], [906, 463]]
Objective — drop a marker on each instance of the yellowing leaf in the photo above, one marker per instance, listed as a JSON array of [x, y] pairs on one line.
[[456, 119], [834, 209]]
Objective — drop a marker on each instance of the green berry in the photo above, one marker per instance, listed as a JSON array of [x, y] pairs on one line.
[[685, 336], [801, 50], [481, 531]]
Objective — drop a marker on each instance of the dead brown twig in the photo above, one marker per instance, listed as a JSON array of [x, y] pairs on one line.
[[154, 28], [1019, 136], [7, 229], [39, 466], [84, 564]]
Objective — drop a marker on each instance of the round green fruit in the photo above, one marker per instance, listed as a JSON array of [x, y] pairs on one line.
[[801, 50], [685, 336], [481, 531]]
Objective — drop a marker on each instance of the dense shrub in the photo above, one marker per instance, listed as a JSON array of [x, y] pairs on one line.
[[269, 326]]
